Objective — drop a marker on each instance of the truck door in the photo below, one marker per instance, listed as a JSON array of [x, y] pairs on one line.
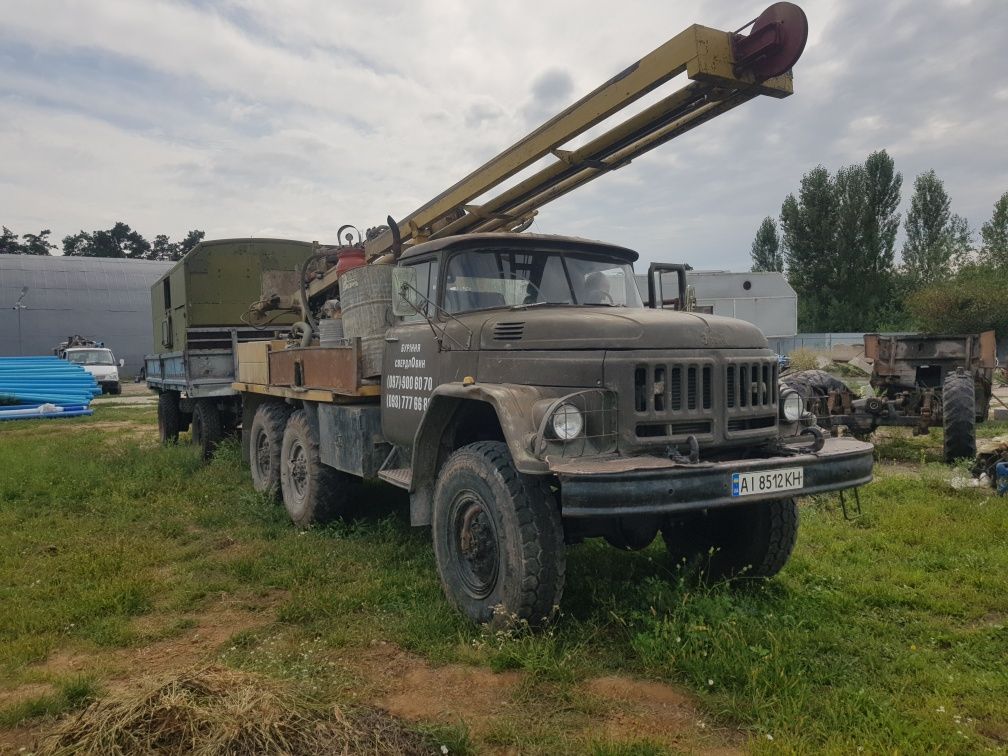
[[410, 366]]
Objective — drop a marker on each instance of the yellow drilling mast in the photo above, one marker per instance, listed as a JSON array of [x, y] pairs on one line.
[[725, 69]]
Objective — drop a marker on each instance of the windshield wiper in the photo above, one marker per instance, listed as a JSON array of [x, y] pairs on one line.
[[529, 305]]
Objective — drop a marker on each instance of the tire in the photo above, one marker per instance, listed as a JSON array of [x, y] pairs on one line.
[[168, 417], [516, 571], [207, 430], [266, 441], [959, 416], [813, 384], [312, 492], [752, 540], [116, 389]]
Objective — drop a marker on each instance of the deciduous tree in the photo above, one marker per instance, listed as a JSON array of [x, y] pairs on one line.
[[191, 239], [808, 232], [936, 238], [766, 251], [37, 244], [994, 236], [9, 244], [838, 236]]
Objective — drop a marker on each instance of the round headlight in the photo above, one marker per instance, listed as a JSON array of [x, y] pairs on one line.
[[792, 406], [567, 422]]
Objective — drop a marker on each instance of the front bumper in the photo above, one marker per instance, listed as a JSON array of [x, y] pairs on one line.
[[621, 486]]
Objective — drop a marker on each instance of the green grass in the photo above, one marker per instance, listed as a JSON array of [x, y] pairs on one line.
[[885, 634], [68, 694]]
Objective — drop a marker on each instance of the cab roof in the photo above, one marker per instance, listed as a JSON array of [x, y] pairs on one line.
[[525, 242]]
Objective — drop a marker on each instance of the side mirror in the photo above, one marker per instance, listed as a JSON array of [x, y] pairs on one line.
[[406, 300], [656, 295], [122, 362]]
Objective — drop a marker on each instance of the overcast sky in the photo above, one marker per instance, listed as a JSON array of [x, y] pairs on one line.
[[291, 118]]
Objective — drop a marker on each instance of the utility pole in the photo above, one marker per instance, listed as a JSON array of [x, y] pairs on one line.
[[20, 305]]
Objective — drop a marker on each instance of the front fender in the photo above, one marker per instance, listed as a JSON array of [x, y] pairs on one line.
[[513, 406]]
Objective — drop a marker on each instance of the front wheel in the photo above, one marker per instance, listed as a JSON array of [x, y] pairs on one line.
[[749, 540], [498, 538]]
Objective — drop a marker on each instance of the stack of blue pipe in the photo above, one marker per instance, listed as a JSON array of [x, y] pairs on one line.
[[34, 387]]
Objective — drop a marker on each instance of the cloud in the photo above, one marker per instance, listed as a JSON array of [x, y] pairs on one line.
[[248, 117]]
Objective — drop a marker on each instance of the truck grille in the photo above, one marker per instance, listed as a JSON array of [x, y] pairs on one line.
[[751, 384], [673, 400], [662, 388], [712, 400]]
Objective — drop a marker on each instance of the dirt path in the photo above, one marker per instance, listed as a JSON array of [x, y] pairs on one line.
[[490, 704]]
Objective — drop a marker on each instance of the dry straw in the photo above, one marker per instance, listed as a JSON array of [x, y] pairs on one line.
[[215, 710]]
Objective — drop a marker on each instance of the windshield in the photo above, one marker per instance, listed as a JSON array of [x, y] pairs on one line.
[[90, 357], [485, 279]]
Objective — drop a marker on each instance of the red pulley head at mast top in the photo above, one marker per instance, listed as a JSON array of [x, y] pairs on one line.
[[775, 42]]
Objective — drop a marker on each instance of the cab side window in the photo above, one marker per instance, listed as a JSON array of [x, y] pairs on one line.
[[427, 281]]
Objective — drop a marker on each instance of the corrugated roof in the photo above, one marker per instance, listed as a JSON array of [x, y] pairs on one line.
[[99, 297]]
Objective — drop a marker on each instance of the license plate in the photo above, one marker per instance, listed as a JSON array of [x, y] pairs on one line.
[[769, 481]]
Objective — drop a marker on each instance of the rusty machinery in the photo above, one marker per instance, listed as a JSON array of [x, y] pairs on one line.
[[919, 381]]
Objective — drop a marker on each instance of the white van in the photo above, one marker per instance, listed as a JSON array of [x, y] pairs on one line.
[[100, 362]]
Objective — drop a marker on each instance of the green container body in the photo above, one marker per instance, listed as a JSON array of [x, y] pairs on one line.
[[214, 285]]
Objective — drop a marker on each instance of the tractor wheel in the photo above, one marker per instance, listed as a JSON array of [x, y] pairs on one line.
[[959, 416], [498, 538], [169, 419], [265, 444], [312, 492], [207, 430], [747, 541]]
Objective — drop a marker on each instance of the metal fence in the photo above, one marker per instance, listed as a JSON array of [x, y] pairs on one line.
[[819, 342]]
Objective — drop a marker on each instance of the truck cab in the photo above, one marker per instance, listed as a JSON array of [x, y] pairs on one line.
[[99, 362]]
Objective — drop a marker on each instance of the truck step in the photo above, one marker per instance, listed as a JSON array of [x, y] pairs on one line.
[[399, 476]]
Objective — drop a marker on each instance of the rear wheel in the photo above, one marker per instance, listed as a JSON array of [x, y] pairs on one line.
[[265, 445], [207, 429], [498, 538], [312, 492], [168, 417], [959, 416], [751, 540]]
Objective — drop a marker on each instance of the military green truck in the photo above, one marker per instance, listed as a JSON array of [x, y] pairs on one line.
[[200, 315], [516, 386], [527, 399]]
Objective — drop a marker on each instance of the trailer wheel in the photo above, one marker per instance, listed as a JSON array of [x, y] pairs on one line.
[[498, 538], [168, 417], [748, 541], [207, 430], [959, 416], [266, 440], [312, 492]]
